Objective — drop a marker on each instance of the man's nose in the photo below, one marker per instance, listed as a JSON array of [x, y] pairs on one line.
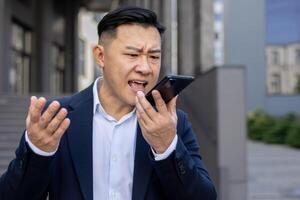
[[144, 66]]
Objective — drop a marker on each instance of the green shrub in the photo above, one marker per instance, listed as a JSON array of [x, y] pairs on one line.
[[293, 136], [258, 123], [277, 134], [262, 126]]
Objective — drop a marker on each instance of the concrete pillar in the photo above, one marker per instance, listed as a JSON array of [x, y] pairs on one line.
[[206, 40], [166, 42], [232, 133], [186, 61], [2, 19], [156, 6], [217, 113], [5, 20], [44, 66], [71, 37]]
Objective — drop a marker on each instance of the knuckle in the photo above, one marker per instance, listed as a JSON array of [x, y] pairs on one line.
[[149, 128], [53, 142], [148, 108], [51, 127], [61, 129], [45, 141], [141, 112], [160, 102], [53, 107], [43, 119], [61, 115], [51, 110]]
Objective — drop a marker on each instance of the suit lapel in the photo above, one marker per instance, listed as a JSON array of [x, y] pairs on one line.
[[80, 140], [142, 167]]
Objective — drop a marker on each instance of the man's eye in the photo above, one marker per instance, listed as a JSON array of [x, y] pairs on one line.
[[132, 55], [154, 57]]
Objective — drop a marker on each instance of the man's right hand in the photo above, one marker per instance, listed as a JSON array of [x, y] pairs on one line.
[[45, 130]]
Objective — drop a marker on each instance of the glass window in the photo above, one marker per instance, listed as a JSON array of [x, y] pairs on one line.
[[17, 37], [21, 55], [58, 75], [275, 84], [275, 57], [28, 43]]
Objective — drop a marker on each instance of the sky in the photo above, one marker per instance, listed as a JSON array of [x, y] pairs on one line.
[[282, 21]]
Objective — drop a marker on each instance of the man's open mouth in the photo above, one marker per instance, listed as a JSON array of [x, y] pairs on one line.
[[137, 85]]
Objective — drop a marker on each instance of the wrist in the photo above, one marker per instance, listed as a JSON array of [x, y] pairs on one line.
[[161, 148], [167, 152]]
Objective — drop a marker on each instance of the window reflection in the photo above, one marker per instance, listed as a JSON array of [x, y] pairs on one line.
[[21, 50]]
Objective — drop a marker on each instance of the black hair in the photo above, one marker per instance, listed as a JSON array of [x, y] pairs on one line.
[[128, 15]]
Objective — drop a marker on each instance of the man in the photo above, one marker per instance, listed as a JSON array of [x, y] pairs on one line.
[[107, 141]]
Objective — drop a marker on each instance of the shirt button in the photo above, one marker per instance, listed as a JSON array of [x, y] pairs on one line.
[[114, 158], [114, 195]]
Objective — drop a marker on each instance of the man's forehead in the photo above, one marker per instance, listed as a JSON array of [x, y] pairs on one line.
[[131, 37], [127, 30]]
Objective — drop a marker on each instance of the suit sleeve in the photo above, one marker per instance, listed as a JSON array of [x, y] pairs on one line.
[[27, 176], [182, 174]]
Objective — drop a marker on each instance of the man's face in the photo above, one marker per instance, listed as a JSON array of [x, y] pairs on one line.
[[131, 62]]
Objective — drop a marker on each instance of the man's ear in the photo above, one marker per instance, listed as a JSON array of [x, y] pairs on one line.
[[98, 52]]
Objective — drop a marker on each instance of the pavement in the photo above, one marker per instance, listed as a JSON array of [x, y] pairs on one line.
[[273, 172]]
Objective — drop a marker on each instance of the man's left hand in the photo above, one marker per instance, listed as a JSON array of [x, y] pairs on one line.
[[158, 127]]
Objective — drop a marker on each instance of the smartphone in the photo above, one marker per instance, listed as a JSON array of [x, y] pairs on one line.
[[169, 87]]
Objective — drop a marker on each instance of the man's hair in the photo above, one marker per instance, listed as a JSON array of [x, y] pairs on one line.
[[128, 15]]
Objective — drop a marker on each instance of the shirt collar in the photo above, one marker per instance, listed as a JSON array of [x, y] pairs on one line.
[[97, 107], [95, 95]]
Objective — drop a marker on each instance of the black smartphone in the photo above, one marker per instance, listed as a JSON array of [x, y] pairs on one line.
[[169, 87]]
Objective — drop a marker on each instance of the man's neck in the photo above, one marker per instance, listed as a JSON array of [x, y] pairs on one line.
[[112, 106]]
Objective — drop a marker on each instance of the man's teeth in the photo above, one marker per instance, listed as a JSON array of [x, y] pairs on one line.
[[140, 82]]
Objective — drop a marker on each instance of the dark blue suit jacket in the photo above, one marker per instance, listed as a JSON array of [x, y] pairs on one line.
[[68, 175]]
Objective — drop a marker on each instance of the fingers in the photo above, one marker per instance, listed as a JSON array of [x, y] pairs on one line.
[[61, 129], [159, 102], [141, 120], [141, 114], [36, 108], [49, 114], [57, 121], [50, 120], [45, 130], [144, 107]]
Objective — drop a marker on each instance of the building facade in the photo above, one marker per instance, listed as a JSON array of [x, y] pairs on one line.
[[283, 68], [38, 46]]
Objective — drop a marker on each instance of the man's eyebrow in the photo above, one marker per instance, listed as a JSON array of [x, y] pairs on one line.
[[141, 50], [154, 51]]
